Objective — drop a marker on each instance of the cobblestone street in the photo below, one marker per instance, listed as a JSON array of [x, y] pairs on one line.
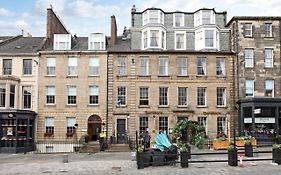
[[121, 163]]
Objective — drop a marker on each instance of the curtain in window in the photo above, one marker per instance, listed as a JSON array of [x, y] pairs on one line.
[[94, 90], [269, 84], [154, 35], [71, 121], [49, 121], [72, 91], [50, 90]]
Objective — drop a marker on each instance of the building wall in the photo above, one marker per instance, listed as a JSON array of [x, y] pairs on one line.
[[258, 42], [17, 78], [82, 110], [133, 81]]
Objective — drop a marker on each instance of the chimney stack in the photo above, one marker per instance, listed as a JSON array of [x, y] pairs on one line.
[[113, 39]]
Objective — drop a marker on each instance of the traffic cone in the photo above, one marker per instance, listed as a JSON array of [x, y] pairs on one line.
[[241, 160]]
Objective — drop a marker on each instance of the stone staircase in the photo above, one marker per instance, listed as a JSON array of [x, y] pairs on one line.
[[119, 148], [90, 147]]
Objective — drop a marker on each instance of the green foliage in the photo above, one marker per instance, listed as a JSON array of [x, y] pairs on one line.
[[195, 132], [248, 142], [231, 147], [277, 146], [184, 147], [221, 139], [278, 139], [140, 148]]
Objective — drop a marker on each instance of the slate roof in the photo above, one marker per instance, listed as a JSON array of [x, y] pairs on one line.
[[22, 45], [123, 45], [80, 44], [4, 38]]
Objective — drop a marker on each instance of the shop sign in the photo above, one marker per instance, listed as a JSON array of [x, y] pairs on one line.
[[248, 120], [264, 120]]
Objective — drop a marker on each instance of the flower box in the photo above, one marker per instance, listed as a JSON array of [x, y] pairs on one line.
[[48, 134], [220, 144], [69, 134]]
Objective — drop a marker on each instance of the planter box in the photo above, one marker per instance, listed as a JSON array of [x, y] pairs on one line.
[[140, 160], [217, 144], [241, 143], [248, 150], [232, 158], [276, 155], [158, 158], [184, 159]]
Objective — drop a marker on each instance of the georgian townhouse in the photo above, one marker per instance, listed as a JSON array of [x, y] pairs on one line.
[[19, 63], [170, 66], [72, 87], [256, 40]]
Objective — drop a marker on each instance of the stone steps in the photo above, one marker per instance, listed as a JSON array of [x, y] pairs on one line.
[[119, 148]]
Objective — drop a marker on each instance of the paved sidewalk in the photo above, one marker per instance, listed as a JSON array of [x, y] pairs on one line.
[[104, 163]]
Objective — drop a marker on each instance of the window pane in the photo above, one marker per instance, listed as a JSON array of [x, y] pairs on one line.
[[209, 38], [206, 17], [153, 16], [180, 41], [163, 66], [26, 92], [221, 97], [2, 95], [12, 96], [221, 126], [249, 58], [144, 66], [163, 125], [182, 96], [182, 66], [268, 57], [7, 66], [249, 88], [27, 67], [143, 124], [201, 66], [201, 96], [51, 66], [154, 38], [163, 96], [121, 65], [144, 96], [121, 96], [220, 66]]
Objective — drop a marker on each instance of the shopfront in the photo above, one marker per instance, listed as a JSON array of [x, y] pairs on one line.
[[260, 117]]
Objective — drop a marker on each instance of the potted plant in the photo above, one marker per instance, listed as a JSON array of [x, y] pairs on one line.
[[278, 139], [248, 149], [232, 155], [140, 156], [276, 153], [184, 154]]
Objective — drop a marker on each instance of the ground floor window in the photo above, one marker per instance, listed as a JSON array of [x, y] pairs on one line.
[[163, 124]]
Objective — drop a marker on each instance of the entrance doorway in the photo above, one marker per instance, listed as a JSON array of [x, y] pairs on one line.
[[121, 131], [94, 127]]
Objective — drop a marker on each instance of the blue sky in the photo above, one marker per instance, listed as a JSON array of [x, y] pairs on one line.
[[84, 16]]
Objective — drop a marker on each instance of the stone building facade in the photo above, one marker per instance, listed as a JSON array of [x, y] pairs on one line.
[[19, 66], [172, 66], [72, 88], [256, 40]]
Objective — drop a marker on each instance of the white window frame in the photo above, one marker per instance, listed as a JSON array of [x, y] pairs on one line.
[[62, 41], [27, 67], [181, 33], [163, 124], [71, 95], [50, 66], [70, 125], [203, 66], [203, 120], [182, 65], [3, 95], [72, 66], [268, 59], [163, 66], [94, 66], [221, 96], [221, 124], [201, 91], [146, 17], [182, 99], [144, 96], [268, 30], [269, 86], [144, 66], [96, 38], [49, 125], [181, 16], [249, 57], [250, 88], [146, 43], [121, 96], [220, 66], [213, 39], [50, 93], [122, 66], [94, 92], [163, 98], [26, 87], [198, 18], [246, 30]]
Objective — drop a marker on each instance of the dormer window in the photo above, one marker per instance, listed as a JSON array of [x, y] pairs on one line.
[[153, 16], [204, 17], [154, 37], [96, 41], [62, 41], [207, 38], [178, 20]]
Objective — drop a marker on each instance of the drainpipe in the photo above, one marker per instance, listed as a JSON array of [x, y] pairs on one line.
[[106, 125]]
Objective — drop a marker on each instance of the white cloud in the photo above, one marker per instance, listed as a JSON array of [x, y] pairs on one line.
[[13, 25], [42, 5], [24, 15], [5, 12], [83, 8]]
